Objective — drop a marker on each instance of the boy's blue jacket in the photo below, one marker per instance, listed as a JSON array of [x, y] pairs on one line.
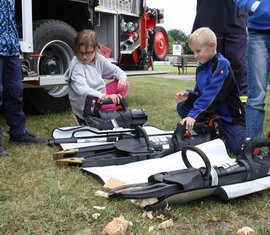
[[260, 18], [216, 93]]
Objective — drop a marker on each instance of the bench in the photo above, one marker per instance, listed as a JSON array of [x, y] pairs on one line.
[[190, 62], [183, 62], [179, 64]]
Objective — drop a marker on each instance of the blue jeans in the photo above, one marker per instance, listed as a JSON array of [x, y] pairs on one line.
[[258, 64], [11, 95]]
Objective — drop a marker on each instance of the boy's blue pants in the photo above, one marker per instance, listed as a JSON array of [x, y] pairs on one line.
[[233, 134], [11, 94]]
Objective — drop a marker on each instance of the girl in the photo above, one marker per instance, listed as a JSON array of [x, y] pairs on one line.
[[87, 72]]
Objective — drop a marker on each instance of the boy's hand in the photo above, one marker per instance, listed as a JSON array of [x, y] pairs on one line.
[[189, 122], [181, 96]]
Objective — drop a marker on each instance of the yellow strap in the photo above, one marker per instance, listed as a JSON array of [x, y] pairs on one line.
[[243, 98]]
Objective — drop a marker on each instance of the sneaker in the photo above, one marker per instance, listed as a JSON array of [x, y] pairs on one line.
[[28, 138], [3, 151]]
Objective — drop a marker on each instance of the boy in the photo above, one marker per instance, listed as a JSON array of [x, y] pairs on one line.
[[215, 94], [229, 23]]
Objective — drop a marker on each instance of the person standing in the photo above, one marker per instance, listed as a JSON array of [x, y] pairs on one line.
[[11, 86], [229, 24], [258, 63]]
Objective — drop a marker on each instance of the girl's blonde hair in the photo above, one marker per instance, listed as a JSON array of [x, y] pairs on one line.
[[203, 35], [87, 38]]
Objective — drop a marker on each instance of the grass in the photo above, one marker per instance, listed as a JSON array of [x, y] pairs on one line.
[[37, 197], [174, 70]]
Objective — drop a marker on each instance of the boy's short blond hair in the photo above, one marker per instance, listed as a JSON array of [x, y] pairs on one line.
[[203, 35]]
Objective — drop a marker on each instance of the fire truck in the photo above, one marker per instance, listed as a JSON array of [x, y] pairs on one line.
[[127, 31]]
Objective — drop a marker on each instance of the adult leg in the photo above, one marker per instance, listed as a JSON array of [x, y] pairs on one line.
[[3, 151], [13, 96], [1, 89], [220, 43], [258, 61], [235, 52]]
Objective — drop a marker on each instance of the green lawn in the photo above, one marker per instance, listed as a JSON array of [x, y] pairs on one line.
[[173, 70], [37, 197]]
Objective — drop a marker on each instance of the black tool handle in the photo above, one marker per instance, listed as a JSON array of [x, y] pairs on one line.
[[123, 102], [201, 154]]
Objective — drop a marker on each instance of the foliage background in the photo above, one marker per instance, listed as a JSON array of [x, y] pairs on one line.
[[176, 36]]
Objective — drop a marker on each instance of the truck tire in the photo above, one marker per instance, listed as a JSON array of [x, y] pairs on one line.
[[52, 39], [159, 42]]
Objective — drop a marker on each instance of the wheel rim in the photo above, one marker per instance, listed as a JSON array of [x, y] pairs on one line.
[[160, 43], [56, 57]]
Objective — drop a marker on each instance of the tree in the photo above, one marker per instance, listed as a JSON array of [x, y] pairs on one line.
[[170, 42], [179, 37]]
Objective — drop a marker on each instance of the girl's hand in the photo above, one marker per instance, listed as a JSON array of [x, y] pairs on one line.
[[122, 83], [115, 98], [189, 122], [181, 96]]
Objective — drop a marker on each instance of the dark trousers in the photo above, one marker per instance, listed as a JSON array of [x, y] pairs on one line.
[[11, 94], [233, 134], [233, 47]]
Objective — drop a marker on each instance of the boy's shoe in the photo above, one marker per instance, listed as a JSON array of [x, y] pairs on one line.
[[28, 138], [3, 151]]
